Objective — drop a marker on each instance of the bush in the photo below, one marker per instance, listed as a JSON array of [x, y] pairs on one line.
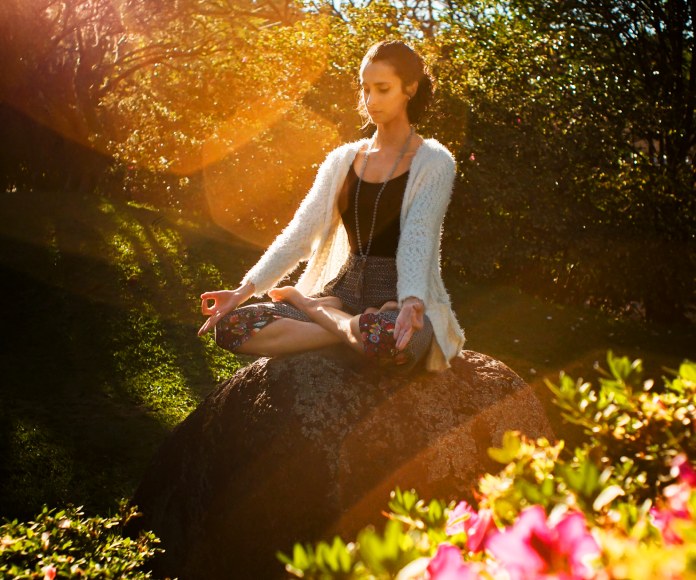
[[65, 544], [622, 505]]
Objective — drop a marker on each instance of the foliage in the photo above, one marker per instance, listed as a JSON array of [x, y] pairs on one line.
[[65, 544], [564, 149], [634, 427], [574, 124], [592, 513], [413, 528]]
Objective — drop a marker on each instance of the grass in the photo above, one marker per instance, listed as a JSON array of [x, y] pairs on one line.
[[103, 359], [101, 313]]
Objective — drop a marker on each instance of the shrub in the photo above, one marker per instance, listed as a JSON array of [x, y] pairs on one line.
[[622, 505], [65, 544]]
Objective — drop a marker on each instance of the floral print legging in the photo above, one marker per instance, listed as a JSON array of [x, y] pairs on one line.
[[376, 329]]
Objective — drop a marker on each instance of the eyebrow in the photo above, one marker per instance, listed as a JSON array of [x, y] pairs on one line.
[[377, 83]]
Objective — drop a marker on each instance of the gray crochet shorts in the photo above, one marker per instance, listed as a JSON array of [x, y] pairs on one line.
[[376, 329]]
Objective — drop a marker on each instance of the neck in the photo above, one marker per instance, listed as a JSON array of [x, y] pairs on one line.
[[391, 135]]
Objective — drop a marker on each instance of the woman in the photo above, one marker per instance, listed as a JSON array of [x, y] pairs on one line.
[[370, 230]]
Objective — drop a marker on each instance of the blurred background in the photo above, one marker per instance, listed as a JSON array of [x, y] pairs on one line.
[[151, 150]]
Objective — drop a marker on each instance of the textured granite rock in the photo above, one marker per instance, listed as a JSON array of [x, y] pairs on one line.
[[302, 447]]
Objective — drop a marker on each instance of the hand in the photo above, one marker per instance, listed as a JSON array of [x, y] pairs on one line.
[[409, 320], [224, 301]]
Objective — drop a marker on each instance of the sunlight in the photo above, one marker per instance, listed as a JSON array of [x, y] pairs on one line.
[[155, 97], [255, 193]]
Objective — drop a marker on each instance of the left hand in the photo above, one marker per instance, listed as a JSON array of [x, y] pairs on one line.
[[409, 320]]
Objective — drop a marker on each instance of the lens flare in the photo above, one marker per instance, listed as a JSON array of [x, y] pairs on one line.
[[254, 192]]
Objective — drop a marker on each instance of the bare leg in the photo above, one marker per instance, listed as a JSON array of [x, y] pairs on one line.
[[287, 336], [391, 305], [339, 323]]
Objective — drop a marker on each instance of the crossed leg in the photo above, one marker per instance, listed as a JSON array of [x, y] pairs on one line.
[[287, 336], [329, 317]]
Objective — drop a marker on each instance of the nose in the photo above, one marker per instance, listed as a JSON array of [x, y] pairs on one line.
[[369, 99]]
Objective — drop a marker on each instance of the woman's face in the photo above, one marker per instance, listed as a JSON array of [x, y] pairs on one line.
[[384, 98]]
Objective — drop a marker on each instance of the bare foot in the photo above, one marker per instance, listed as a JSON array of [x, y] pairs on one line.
[[288, 294], [296, 298]]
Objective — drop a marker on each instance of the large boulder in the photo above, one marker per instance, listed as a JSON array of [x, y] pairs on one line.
[[302, 447]]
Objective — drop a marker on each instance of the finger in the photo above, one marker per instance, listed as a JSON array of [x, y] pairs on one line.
[[203, 329], [399, 329], [208, 324], [205, 309], [404, 339]]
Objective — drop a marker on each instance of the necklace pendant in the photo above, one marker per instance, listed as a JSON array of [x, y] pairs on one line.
[[359, 283]]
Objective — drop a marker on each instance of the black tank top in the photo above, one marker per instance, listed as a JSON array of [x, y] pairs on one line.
[[385, 238]]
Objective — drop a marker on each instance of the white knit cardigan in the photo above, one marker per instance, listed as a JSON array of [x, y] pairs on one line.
[[316, 234]]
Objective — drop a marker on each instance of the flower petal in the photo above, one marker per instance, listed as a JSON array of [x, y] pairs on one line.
[[447, 564]]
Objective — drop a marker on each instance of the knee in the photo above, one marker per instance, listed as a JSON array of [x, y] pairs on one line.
[[227, 333], [377, 333]]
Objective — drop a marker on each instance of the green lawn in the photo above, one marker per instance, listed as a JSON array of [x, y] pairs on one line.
[[101, 313]]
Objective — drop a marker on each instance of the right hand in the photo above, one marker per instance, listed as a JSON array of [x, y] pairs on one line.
[[224, 301]]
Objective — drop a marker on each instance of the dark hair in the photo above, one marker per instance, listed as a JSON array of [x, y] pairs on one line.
[[409, 66]]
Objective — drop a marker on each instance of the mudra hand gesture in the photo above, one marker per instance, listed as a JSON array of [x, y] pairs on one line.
[[224, 301], [409, 320]]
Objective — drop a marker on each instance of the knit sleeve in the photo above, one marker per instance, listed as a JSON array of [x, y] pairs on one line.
[[419, 246], [294, 243]]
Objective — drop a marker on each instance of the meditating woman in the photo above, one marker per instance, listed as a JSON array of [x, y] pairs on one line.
[[370, 230]]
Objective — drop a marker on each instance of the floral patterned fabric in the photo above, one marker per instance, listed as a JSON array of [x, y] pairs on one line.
[[376, 329], [377, 333], [240, 325]]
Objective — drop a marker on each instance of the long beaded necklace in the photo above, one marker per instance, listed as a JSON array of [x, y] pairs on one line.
[[363, 256]]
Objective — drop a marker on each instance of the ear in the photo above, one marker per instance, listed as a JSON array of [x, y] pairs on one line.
[[411, 89]]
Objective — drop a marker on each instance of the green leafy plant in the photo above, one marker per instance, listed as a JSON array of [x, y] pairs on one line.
[[413, 528], [642, 513], [633, 428], [65, 544]]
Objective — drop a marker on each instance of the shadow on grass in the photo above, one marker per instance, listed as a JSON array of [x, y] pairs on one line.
[[102, 358], [538, 339]]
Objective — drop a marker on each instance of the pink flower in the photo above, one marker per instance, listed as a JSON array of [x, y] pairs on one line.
[[677, 496], [447, 564], [676, 499], [684, 471], [472, 157], [49, 572], [662, 519], [676, 504], [533, 549], [476, 525]]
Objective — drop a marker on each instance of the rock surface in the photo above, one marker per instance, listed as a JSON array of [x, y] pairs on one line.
[[302, 447]]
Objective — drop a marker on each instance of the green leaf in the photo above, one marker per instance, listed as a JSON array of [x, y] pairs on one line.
[[508, 452], [300, 557], [687, 372]]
